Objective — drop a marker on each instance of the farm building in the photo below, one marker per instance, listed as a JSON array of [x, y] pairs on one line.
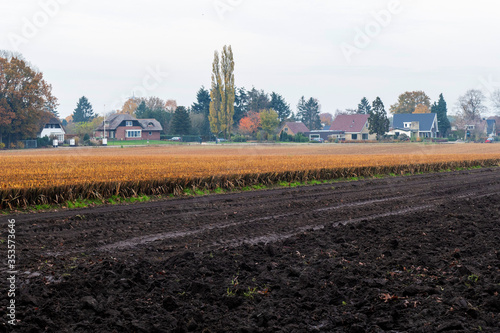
[[126, 127], [355, 127]]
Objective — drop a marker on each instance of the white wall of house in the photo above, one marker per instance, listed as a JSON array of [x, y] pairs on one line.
[[398, 132], [57, 132]]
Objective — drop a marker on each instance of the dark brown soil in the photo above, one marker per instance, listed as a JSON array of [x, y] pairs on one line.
[[406, 254]]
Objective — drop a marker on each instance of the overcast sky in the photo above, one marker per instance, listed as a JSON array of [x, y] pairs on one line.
[[336, 51]]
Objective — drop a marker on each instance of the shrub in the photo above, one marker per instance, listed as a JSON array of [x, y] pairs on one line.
[[2, 145], [20, 145], [43, 142], [403, 137], [86, 137], [239, 138], [301, 138]]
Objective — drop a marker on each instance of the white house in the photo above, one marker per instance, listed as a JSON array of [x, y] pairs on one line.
[[53, 128], [418, 125]]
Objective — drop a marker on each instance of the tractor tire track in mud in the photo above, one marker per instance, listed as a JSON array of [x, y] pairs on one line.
[[374, 255]]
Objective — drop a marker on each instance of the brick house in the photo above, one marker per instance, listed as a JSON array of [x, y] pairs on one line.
[[354, 126], [127, 127], [292, 128]]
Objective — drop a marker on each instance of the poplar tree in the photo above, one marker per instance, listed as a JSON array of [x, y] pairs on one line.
[[222, 93]]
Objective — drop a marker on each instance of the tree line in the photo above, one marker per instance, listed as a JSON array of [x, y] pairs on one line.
[[26, 102]]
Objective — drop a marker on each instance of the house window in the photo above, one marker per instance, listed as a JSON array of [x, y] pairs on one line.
[[150, 133], [407, 125], [133, 134], [112, 134], [354, 136], [365, 136], [286, 129], [128, 123]]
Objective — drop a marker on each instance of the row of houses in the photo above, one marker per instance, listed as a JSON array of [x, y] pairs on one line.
[[117, 126], [355, 127], [345, 127]]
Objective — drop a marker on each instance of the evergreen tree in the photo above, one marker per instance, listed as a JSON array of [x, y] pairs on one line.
[[181, 123], [202, 107], [240, 105], [279, 105], [257, 100], [441, 110], [142, 111], [202, 104], [378, 122], [308, 113], [364, 107], [83, 111]]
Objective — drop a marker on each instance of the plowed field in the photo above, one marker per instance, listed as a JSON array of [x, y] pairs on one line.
[[400, 254]]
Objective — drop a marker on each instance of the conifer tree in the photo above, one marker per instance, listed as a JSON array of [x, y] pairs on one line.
[[441, 110], [378, 122]]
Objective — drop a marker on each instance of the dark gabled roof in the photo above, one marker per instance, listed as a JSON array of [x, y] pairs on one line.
[[327, 128], [425, 120], [54, 121], [349, 123], [115, 120], [297, 127], [150, 124], [118, 118]]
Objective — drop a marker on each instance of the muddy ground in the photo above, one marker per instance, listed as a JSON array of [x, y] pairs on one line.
[[405, 254]]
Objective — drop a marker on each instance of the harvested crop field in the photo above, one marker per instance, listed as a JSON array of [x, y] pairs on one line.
[[398, 254], [55, 176]]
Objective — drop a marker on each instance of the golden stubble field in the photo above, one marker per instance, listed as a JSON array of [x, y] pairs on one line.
[[69, 166]]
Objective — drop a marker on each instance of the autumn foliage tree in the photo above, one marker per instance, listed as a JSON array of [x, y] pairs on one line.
[[129, 107], [408, 102], [421, 108], [25, 99], [250, 124], [326, 118]]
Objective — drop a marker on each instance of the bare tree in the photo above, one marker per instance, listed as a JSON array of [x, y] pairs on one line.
[[495, 99], [470, 105]]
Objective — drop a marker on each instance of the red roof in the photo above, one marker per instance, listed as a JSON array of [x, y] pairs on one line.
[[297, 127], [349, 123]]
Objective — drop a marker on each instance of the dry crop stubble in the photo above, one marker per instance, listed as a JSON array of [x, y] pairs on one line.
[[57, 175]]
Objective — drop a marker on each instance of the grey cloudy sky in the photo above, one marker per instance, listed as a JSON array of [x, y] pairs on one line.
[[336, 51]]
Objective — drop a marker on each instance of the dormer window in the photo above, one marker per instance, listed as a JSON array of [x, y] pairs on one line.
[[128, 123], [150, 124], [407, 125]]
